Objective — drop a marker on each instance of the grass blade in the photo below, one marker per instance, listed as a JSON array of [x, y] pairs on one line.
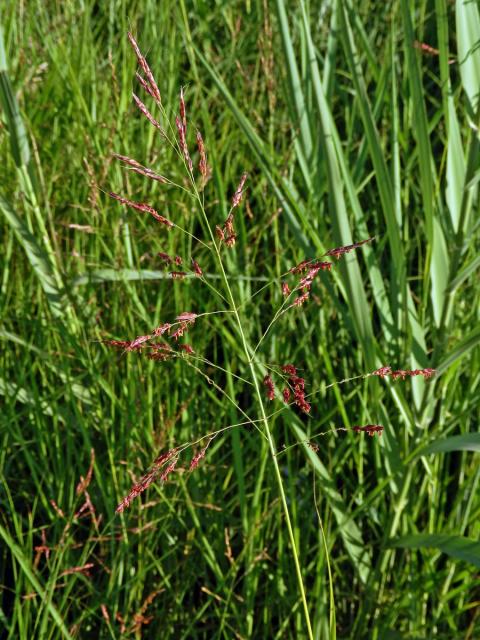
[[457, 547]]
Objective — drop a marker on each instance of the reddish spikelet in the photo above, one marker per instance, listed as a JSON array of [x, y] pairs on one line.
[[196, 268], [161, 352], [300, 401], [155, 91], [105, 614], [84, 482], [183, 143], [41, 549], [183, 113], [58, 511], [228, 226], [187, 316], [186, 319], [165, 257], [186, 348], [298, 383], [401, 373], [426, 373], [169, 470], [382, 372], [285, 289], [300, 267], [178, 275], [203, 167], [230, 240], [323, 266], [137, 343], [148, 173], [340, 251], [178, 260], [198, 456], [120, 344], [290, 370], [164, 457], [83, 569], [313, 271], [300, 299], [370, 429], [146, 480], [159, 331], [237, 196], [141, 206], [145, 84], [227, 233], [178, 333], [426, 48], [130, 161], [140, 169], [268, 382], [147, 113]]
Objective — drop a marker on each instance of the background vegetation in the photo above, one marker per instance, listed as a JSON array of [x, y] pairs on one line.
[[348, 130]]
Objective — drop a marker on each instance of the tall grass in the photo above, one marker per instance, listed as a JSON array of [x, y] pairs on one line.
[[348, 130]]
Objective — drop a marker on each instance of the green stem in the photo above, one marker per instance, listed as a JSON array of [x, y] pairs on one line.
[[268, 433]]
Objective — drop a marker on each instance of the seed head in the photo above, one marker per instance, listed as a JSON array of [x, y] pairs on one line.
[[268, 382], [141, 206], [183, 142], [137, 343], [382, 372], [300, 299], [285, 289], [370, 429], [196, 268], [237, 196], [186, 348], [289, 369], [169, 470], [147, 114], [340, 251], [183, 113], [147, 479], [203, 167], [198, 456], [187, 317], [159, 331], [155, 92]]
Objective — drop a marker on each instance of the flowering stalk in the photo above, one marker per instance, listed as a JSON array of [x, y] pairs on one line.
[[271, 443]]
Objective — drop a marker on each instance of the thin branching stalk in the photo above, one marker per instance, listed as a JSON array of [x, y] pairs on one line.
[[271, 443]]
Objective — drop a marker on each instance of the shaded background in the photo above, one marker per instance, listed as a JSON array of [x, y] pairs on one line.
[[348, 129]]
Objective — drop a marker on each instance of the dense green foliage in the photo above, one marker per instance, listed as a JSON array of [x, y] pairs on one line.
[[348, 130]]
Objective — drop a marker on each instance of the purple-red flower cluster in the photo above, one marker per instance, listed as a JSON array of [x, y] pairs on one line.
[[144, 482], [370, 429], [403, 373], [298, 386]]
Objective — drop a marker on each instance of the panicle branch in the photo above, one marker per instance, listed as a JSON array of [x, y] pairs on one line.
[[147, 114], [154, 90], [403, 373], [238, 195], [146, 480], [140, 169], [141, 206]]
